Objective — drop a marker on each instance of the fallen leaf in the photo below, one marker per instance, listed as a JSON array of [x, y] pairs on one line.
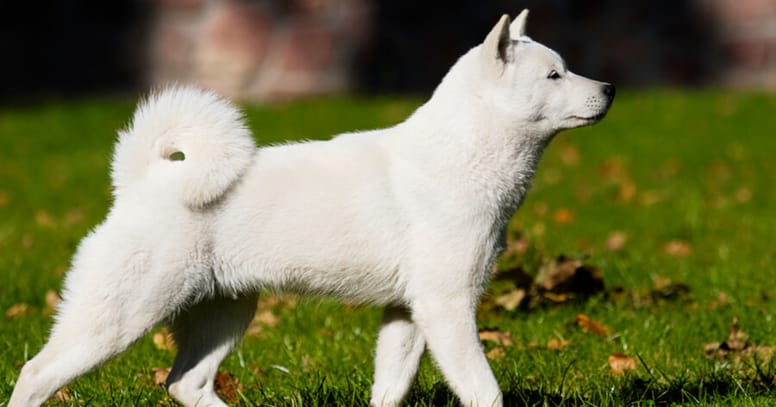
[[254, 330], [52, 301], [737, 338], [18, 310], [27, 241], [592, 326], [569, 276], [613, 169], [62, 395], [267, 318], [228, 387], [540, 209], [563, 216], [44, 219], [664, 288], [621, 364], [496, 353], [160, 375], [677, 248], [511, 300], [558, 344], [627, 190], [496, 336], [556, 298], [74, 216], [569, 155], [616, 240], [722, 300], [743, 195], [164, 340], [737, 347], [649, 198]]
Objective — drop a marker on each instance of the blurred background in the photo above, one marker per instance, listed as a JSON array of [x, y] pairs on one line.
[[265, 50]]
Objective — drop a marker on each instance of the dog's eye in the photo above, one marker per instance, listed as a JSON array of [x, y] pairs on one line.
[[554, 75]]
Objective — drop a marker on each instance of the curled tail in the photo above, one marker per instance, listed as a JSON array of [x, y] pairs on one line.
[[185, 141]]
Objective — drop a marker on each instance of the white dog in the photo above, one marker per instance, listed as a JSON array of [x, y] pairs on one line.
[[410, 217]]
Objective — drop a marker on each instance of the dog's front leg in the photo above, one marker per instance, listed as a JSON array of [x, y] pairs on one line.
[[399, 348], [447, 321]]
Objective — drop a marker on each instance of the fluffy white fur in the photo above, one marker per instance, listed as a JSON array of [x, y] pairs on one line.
[[410, 217]]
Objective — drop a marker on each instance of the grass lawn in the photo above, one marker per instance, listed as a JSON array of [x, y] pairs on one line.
[[671, 198]]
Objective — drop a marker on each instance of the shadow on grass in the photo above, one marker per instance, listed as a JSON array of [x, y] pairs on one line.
[[628, 391]]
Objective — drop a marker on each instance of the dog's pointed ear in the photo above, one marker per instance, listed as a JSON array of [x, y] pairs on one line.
[[497, 47], [517, 28]]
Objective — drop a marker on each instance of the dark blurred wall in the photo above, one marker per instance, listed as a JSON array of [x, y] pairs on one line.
[[267, 49], [70, 47]]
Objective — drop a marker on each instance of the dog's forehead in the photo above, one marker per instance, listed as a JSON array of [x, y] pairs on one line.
[[537, 51]]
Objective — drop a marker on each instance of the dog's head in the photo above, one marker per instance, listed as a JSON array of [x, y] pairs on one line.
[[533, 83]]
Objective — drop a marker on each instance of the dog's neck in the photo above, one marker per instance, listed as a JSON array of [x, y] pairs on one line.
[[482, 147]]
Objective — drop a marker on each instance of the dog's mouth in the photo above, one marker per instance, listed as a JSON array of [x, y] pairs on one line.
[[590, 119]]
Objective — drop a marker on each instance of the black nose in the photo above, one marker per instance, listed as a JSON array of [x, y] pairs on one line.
[[609, 90]]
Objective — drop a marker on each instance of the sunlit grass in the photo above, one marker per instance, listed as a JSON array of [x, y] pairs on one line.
[[687, 179]]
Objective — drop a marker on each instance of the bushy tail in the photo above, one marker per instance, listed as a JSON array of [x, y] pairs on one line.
[[192, 139]]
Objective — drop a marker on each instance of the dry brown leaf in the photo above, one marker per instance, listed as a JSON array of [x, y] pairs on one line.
[[160, 375], [511, 300], [74, 216], [228, 387], [569, 155], [736, 347], [592, 326], [621, 364], [737, 338], [52, 301], [570, 277], [563, 216], [616, 240], [62, 395], [44, 219], [649, 198], [18, 311], [722, 300], [557, 344], [164, 340], [627, 190], [254, 330], [496, 353], [267, 318], [27, 241], [613, 169], [677, 248], [743, 195], [496, 336], [540, 208]]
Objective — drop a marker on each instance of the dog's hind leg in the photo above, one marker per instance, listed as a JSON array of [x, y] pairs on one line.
[[205, 334], [90, 330], [399, 348]]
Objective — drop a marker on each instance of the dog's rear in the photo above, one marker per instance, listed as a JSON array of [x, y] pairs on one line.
[[183, 150]]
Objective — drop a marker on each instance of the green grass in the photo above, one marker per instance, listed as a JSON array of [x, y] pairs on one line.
[[692, 167]]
